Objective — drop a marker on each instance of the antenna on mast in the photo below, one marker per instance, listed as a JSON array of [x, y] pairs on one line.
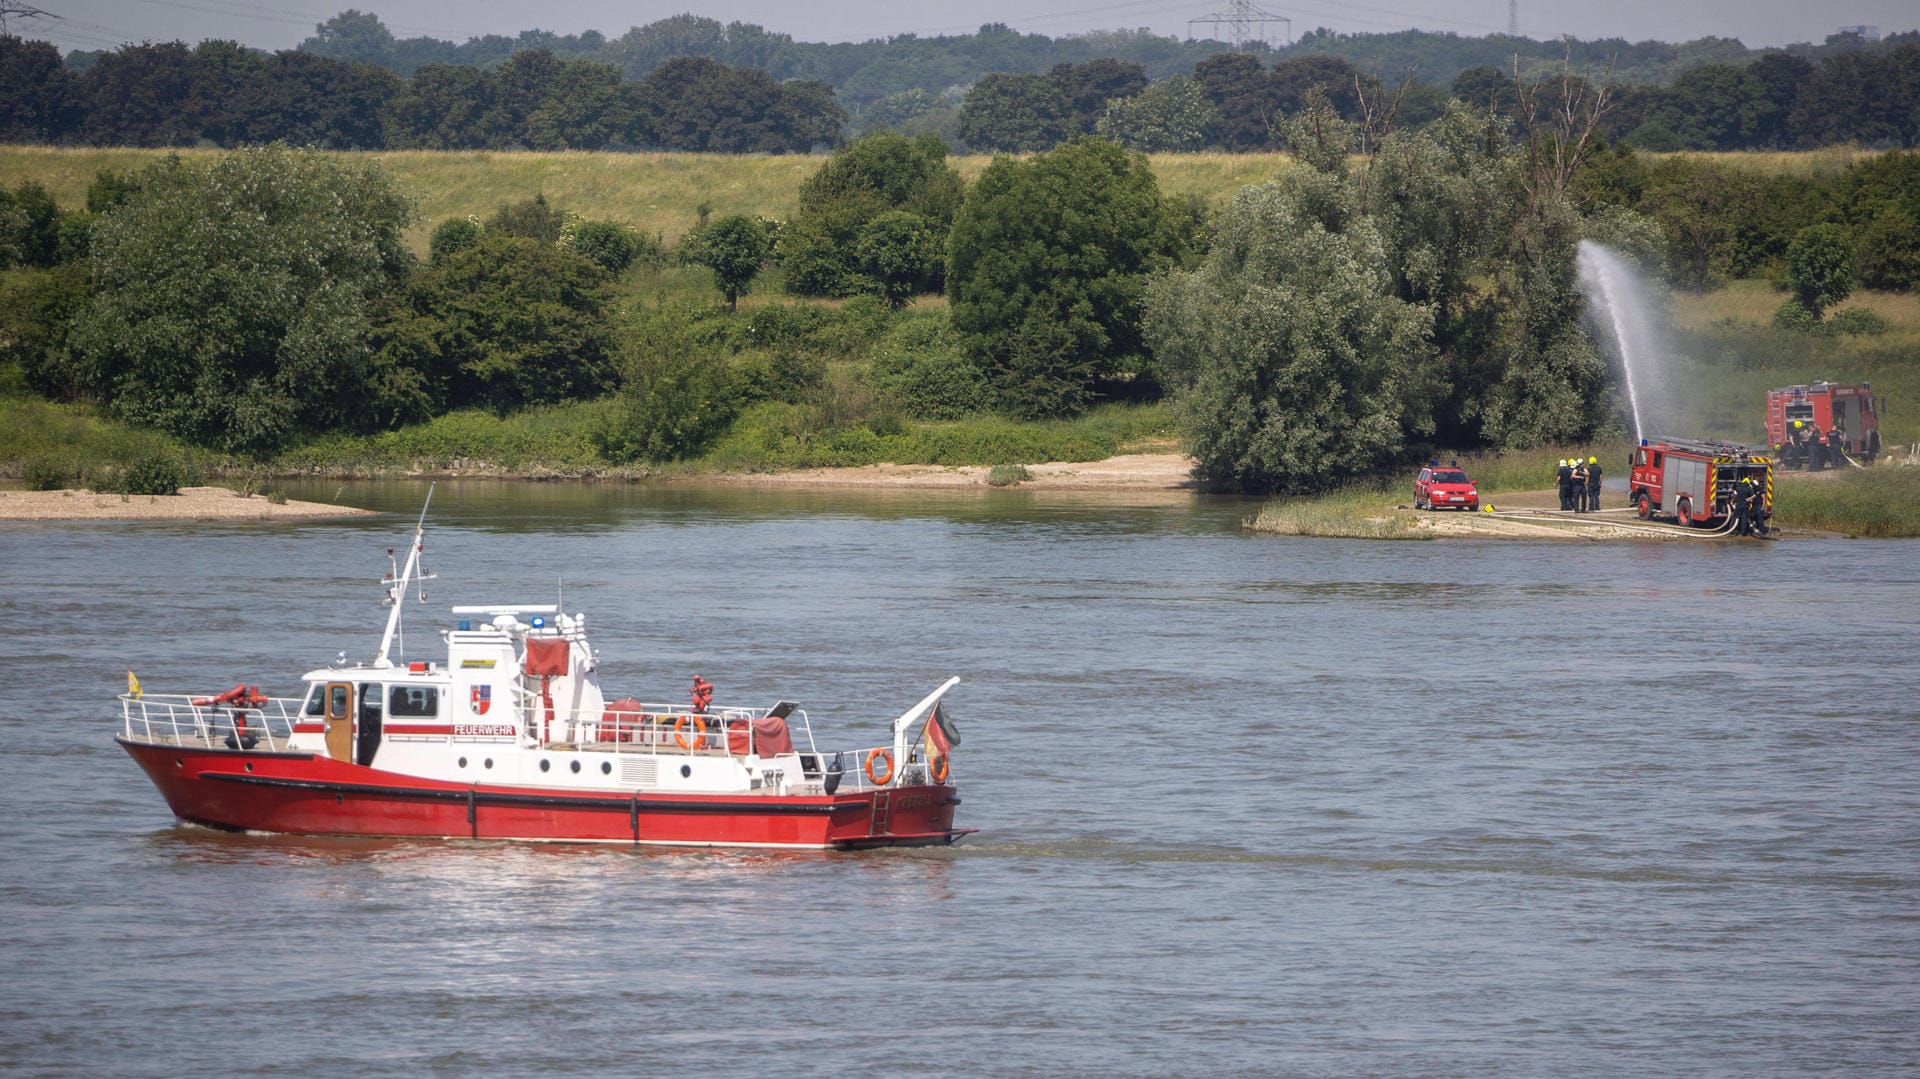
[[397, 586]]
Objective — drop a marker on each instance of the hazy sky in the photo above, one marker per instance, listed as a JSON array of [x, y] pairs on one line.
[[280, 24]]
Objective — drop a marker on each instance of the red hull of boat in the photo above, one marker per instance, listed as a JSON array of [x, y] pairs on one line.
[[307, 794]]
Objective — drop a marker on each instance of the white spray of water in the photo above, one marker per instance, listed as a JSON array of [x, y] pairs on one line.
[[1622, 305]]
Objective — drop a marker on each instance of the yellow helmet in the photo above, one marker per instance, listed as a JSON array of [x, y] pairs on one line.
[[1796, 423], [1593, 460]]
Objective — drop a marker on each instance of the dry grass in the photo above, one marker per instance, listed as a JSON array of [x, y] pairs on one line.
[[1828, 162], [657, 193]]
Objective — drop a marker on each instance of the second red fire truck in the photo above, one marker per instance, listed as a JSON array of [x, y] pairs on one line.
[[1806, 423]]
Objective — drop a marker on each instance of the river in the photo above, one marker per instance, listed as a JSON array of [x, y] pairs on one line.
[[1247, 805]]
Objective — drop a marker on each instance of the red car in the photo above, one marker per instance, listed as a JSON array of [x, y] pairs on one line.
[[1444, 488]]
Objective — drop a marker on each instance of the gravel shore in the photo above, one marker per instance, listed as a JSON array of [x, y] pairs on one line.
[[191, 504]]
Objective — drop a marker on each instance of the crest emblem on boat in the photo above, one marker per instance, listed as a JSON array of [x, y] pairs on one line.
[[482, 699]]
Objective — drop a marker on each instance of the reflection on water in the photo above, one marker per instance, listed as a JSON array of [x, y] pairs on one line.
[[1248, 805]]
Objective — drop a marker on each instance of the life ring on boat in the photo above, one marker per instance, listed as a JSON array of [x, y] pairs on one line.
[[939, 769], [880, 779], [680, 731]]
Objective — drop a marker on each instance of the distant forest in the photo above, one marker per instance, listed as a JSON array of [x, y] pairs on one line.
[[694, 84]]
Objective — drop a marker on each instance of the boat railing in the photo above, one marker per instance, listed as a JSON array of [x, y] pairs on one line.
[[640, 727], [175, 719]]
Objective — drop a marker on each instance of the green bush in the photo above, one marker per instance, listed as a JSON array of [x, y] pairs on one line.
[[924, 363], [153, 474], [1796, 316], [1007, 475], [1858, 322], [45, 474]]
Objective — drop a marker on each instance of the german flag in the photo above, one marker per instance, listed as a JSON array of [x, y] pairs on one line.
[[942, 735]]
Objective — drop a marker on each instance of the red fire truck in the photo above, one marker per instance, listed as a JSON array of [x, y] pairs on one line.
[[1801, 419], [1694, 480]]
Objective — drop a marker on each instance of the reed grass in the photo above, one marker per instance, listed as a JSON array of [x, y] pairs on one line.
[[1362, 511], [1878, 502]]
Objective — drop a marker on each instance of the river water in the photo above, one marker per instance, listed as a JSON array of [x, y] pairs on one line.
[[1248, 805]]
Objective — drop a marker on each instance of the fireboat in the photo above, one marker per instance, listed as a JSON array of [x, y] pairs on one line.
[[512, 738]]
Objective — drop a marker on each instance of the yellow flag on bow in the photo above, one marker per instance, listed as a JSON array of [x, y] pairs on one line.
[[133, 684]]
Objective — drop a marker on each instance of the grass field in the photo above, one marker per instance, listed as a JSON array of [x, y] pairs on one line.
[[659, 194]]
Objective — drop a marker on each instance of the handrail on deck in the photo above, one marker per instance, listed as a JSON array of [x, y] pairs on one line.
[[174, 719]]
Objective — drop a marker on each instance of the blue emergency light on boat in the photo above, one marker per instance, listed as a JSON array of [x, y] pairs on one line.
[[465, 626], [539, 622]]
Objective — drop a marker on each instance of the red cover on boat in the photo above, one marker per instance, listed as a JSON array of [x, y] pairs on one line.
[[547, 656], [620, 721], [769, 737]]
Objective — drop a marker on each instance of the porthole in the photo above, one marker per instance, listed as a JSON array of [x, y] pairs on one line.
[[488, 763], [463, 762], [178, 763], [606, 768], [339, 799], [545, 764], [576, 766], [249, 766], [686, 770]]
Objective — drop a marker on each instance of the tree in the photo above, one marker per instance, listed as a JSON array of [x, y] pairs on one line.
[[533, 219], [1015, 113], [352, 35], [309, 100], [1047, 264], [612, 246], [233, 297], [701, 105], [1245, 97], [1171, 116], [41, 94], [895, 251], [876, 174], [148, 95], [1088, 87], [733, 248], [446, 107], [676, 396], [1291, 363], [1820, 267], [513, 322]]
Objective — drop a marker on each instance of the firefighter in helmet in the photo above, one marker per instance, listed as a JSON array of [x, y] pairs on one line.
[[1836, 445], [1743, 507], [1566, 483], [1593, 485]]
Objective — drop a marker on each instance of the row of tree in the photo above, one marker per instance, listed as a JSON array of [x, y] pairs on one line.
[[218, 92], [865, 73]]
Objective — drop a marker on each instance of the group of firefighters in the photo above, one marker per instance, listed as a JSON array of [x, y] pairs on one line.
[[1804, 447], [1580, 484], [1749, 507]]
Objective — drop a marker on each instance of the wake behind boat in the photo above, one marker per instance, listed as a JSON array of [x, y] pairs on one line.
[[512, 738]]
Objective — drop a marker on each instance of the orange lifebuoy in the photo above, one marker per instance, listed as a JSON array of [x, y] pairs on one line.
[[939, 769], [879, 779], [699, 731]]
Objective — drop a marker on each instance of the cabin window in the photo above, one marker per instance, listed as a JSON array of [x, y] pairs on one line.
[[1657, 458], [337, 696], [413, 701], [316, 701], [1640, 459]]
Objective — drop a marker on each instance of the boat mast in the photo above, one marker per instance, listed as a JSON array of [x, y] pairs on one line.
[[397, 586]]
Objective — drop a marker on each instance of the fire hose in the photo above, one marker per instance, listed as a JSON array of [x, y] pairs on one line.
[[1724, 529]]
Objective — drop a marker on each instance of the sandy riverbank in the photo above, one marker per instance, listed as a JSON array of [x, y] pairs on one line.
[[1128, 472], [191, 504]]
